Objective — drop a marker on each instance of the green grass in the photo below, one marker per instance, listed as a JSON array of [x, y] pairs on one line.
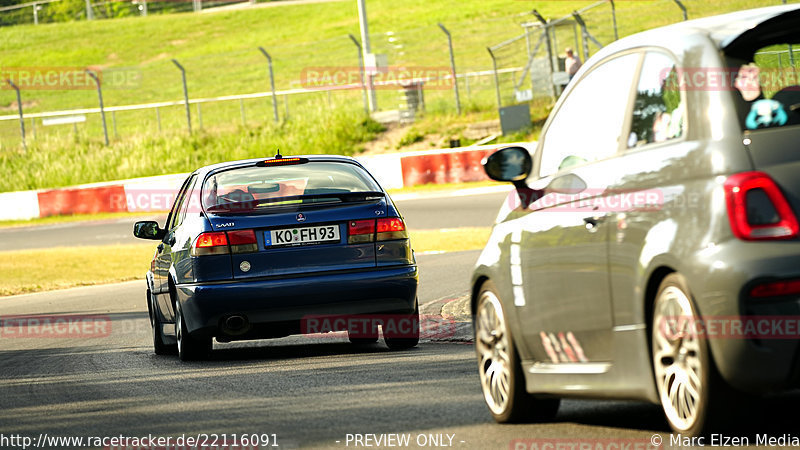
[[219, 52], [25, 271]]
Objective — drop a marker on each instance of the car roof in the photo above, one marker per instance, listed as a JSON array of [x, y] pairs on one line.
[[203, 171], [730, 32]]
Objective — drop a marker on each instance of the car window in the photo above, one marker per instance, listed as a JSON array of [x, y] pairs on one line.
[[175, 216], [658, 112], [588, 124], [187, 197], [267, 185], [769, 88]]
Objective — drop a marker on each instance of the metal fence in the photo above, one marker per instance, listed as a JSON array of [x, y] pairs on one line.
[[525, 51]]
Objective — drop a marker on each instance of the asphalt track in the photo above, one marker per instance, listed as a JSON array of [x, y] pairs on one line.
[[306, 392]]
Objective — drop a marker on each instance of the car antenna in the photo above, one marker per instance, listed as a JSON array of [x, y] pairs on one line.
[[278, 155]]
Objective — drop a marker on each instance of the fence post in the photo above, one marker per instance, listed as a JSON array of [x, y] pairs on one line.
[[185, 95], [585, 34], [89, 10], [614, 19], [496, 78], [452, 68], [19, 108], [361, 72], [100, 98], [546, 31], [271, 85], [683, 9], [36, 9]]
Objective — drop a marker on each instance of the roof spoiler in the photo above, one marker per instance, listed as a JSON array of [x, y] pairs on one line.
[[783, 28]]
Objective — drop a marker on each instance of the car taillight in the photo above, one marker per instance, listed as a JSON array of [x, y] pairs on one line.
[[243, 241], [210, 244], [757, 209], [359, 231], [776, 289], [391, 228]]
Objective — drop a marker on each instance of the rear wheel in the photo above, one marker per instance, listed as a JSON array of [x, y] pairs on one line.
[[189, 348], [502, 380], [690, 390], [406, 331], [159, 347]]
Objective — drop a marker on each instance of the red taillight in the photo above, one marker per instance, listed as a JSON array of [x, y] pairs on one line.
[[741, 210], [243, 241], [210, 244], [391, 228], [359, 231], [776, 289]]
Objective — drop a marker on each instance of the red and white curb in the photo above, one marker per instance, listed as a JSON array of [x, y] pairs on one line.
[[393, 171]]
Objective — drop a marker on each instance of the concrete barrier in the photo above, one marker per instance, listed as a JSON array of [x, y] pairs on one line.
[[393, 171]]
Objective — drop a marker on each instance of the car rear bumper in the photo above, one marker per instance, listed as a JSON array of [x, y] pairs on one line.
[[770, 360], [276, 307]]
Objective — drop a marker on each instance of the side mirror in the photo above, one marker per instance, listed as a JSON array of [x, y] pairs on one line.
[[148, 230], [512, 164]]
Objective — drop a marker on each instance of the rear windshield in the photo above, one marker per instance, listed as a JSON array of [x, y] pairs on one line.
[[249, 188], [768, 85]]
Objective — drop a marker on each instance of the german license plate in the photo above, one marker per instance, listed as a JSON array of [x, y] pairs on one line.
[[301, 236]]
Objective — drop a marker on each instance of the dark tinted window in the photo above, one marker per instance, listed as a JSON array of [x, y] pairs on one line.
[[252, 184], [658, 113]]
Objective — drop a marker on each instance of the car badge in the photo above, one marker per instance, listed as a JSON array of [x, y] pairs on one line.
[[301, 217], [244, 266]]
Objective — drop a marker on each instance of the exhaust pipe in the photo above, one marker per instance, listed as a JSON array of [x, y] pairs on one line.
[[235, 325]]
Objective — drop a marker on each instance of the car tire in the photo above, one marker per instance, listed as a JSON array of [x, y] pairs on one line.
[[363, 340], [500, 370], [189, 348], [159, 347], [408, 340], [693, 395]]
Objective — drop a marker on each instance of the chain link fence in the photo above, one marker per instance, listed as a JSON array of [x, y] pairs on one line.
[[498, 60]]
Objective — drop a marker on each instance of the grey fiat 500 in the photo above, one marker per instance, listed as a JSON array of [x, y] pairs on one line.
[[651, 249]]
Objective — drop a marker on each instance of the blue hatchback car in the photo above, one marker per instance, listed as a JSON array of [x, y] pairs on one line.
[[266, 248]]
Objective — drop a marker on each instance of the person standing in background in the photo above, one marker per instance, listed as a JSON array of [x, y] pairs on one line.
[[572, 63]]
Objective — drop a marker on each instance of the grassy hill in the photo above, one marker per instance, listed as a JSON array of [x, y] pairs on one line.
[[219, 52]]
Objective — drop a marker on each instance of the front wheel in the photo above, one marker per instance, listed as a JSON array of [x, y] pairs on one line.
[[159, 347], [689, 387], [189, 348], [502, 380]]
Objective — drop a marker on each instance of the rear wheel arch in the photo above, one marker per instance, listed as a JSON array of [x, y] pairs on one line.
[[476, 291], [651, 290]]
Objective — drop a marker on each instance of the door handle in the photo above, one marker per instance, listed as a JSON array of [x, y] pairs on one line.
[[160, 248], [593, 221]]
